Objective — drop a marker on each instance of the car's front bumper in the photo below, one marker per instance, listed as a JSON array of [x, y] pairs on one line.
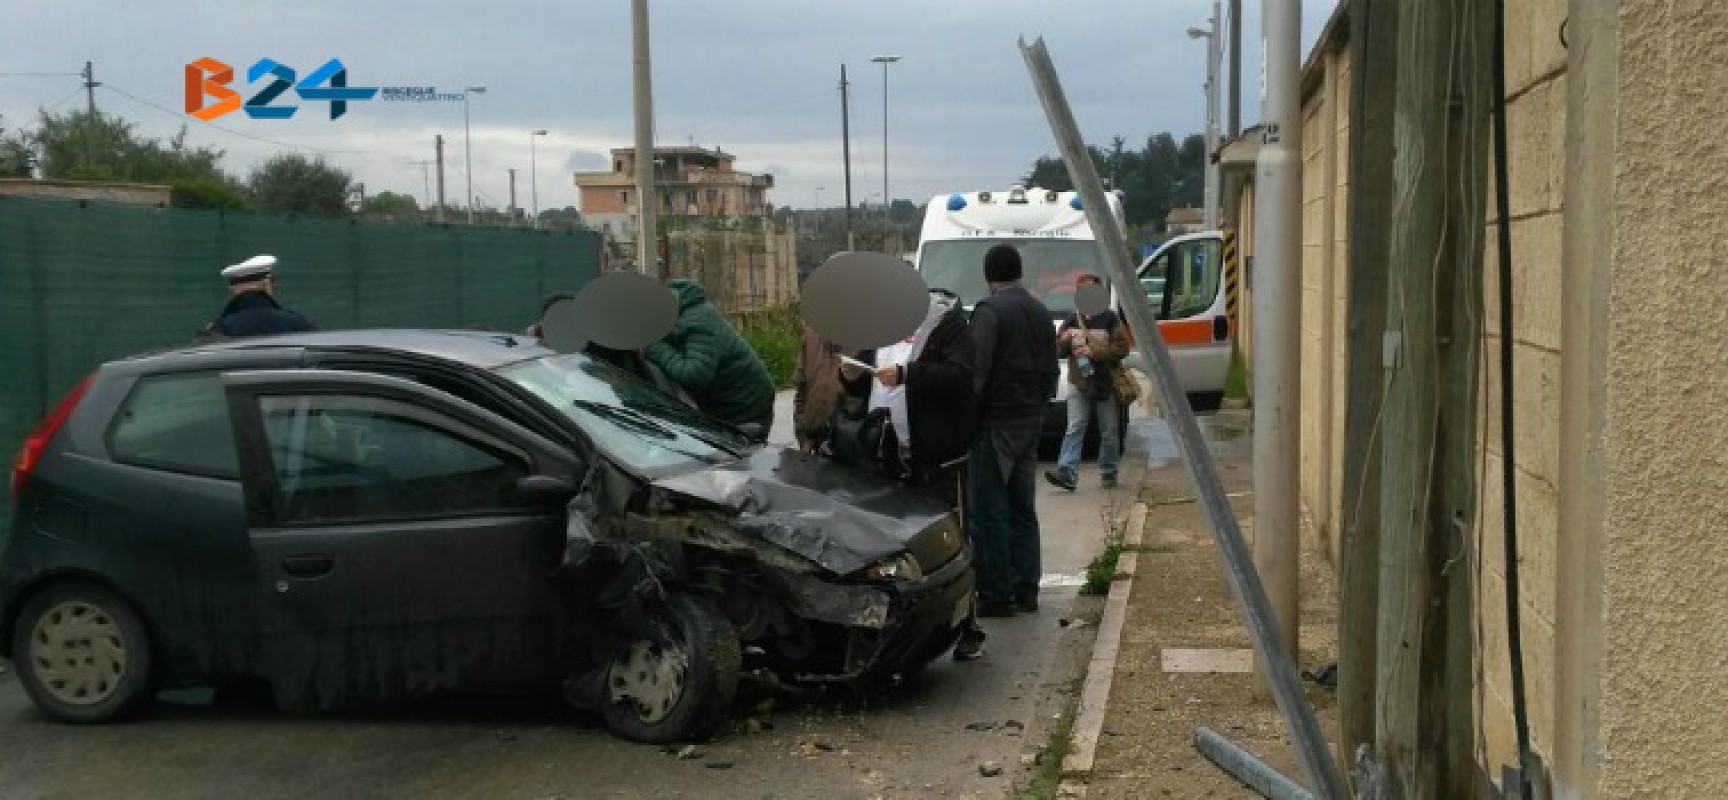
[[895, 625]]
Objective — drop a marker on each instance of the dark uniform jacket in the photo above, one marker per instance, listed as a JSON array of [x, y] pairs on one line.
[[255, 313]]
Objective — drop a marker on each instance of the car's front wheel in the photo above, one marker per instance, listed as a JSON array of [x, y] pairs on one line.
[[82, 653], [675, 682]]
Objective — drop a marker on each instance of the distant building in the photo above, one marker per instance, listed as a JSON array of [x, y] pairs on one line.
[[140, 194], [1184, 220], [692, 182]]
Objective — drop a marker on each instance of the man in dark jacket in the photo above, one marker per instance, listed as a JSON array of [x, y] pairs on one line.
[[252, 309], [928, 379], [1014, 379], [712, 363], [1103, 342]]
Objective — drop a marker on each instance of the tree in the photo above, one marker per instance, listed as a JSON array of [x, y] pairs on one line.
[[101, 147], [390, 204], [566, 218], [1163, 175], [14, 155], [294, 184]]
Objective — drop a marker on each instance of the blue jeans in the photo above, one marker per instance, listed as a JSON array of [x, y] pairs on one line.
[[1080, 411], [1003, 519]]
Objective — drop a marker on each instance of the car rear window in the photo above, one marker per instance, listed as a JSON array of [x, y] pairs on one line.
[[177, 423]]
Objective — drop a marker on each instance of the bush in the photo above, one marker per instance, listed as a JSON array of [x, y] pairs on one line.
[[774, 333]]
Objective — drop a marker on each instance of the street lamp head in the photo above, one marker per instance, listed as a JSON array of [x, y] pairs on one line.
[[1199, 33], [476, 89], [884, 59], [541, 132]]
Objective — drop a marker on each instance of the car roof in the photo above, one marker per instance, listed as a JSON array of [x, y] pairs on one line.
[[481, 349]]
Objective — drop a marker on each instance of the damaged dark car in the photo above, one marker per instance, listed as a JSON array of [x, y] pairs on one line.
[[364, 517]]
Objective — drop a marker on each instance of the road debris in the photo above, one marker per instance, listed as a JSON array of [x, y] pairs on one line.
[[691, 752], [989, 769]]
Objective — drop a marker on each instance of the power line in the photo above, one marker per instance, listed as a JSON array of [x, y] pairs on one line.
[[41, 74], [231, 131]]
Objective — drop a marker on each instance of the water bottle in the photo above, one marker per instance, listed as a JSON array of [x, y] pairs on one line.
[[1085, 365]]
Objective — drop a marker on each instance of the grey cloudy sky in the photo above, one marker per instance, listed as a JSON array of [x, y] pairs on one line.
[[756, 78]]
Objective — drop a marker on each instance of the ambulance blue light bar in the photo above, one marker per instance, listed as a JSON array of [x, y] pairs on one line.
[[956, 201]]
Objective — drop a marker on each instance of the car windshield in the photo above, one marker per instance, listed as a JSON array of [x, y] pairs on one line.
[[632, 422], [1051, 267]]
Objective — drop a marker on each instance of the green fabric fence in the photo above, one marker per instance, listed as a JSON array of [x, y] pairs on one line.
[[84, 283]]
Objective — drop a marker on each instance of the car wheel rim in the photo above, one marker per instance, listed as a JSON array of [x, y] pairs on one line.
[[648, 678], [78, 653]]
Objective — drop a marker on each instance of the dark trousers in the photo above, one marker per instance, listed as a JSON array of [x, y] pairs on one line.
[[1003, 520]]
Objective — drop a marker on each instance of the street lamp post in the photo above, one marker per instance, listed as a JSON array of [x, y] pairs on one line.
[[534, 176], [885, 61], [1210, 34], [468, 146]]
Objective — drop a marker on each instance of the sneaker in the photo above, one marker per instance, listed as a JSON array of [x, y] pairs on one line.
[[1109, 481], [971, 645], [1062, 479], [995, 608], [1027, 605]]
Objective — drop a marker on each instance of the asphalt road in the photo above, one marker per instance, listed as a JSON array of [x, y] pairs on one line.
[[922, 740]]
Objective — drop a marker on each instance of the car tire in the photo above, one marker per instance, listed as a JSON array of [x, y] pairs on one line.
[[82, 654], [677, 684]]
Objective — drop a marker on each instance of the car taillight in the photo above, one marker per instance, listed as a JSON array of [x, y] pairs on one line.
[[44, 433]]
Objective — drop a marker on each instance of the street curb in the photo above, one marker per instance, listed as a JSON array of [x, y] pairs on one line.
[[1101, 671]]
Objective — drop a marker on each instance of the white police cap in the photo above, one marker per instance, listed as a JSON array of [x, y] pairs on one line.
[[255, 268]]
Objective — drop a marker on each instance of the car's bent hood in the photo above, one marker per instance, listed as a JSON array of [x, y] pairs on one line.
[[843, 519]]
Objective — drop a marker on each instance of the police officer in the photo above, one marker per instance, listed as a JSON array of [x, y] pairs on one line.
[[252, 309]]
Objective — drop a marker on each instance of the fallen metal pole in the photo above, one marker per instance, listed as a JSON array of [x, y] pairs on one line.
[[1281, 671], [1247, 767]]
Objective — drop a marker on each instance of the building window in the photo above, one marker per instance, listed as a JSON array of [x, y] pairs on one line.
[[690, 197], [713, 195], [618, 166], [623, 196]]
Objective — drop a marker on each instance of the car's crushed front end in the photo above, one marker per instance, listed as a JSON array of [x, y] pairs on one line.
[[827, 573]]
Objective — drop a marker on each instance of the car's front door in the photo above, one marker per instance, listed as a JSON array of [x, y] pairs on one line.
[[399, 548]]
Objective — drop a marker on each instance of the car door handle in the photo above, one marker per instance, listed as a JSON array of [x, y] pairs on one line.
[[312, 566]]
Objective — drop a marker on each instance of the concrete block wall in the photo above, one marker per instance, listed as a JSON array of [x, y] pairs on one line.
[[1536, 126], [1325, 180]]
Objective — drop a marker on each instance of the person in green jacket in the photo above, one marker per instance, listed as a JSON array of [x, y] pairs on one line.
[[712, 363]]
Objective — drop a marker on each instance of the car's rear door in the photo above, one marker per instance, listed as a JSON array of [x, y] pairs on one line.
[[396, 549]]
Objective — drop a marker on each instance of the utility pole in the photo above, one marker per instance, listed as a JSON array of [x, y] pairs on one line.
[[1214, 59], [1427, 501], [1235, 68], [90, 85], [846, 151], [1373, 46], [438, 144], [646, 262], [1277, 300], [512, 194], [887, 205]]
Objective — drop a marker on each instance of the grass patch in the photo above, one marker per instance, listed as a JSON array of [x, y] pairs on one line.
[[1102, 571], [1046, 777], [1236, 381], [775, 334]]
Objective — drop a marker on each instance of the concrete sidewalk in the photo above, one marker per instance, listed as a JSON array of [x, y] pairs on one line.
[[1182, 657]]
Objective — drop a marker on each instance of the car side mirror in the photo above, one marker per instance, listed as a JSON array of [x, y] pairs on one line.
[[544, 490], [753, 430]]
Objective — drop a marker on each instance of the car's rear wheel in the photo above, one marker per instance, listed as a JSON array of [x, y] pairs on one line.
[[82, 653], [675, 682]]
